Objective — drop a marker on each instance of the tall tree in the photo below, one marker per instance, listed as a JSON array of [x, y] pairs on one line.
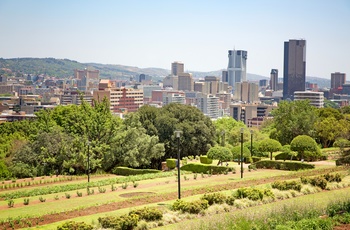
[[292, 119]]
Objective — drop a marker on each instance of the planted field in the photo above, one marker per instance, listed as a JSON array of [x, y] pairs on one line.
[[115, 196]]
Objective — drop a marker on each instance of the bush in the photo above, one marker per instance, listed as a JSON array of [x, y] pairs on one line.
[[285, 185], [284, 156], [214, 198], [125, 171], [193, 207], [202, 168], [256, 159], [283, 165], [72, 225], [205, 160], [332, 177], [252, 193], [26, 201], [171, 163], [318, 181], [10, 203], [4, 172], [343, 161], [125, 222], [148, 214]]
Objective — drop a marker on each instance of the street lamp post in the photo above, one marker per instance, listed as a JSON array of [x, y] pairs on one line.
[[242, 130], [251, 143], [177, 135], [88, 161]]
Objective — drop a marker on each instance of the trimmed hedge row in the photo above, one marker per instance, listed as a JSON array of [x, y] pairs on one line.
[[202, 168], [283, 165], [256, 159], [69, 225], [125, 171], [205, 160], [285, 185], [171, 163]]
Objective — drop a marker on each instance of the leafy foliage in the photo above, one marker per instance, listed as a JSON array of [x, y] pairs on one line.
[[124, 171], [205, 160], [219, 153], [293, 166], [72, 225], [304, 144], [269, 145], [201, 168]]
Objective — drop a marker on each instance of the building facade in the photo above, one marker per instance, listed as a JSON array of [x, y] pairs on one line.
[[237, 67], [294, 67], [274, 79], [316, 98], [176, 68], [337, 80]]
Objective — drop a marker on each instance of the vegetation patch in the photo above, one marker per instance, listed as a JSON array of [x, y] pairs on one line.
[[283, 165], [205, 160], [210, 169], [286, 185], [125, 171]]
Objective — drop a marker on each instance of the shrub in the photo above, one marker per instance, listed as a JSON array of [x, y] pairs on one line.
[[214, 198], [42, 199], [26, 201], [285, 185], [252, 193], [332, 177], [135, 184], [202, 168], [205, 160], [125, 222], [67, 195], [125, 171], [283, 165], [148, 214], [72, 225], [193, 207], [10, 203], [101, 190], [4, 172], [79, 194], [318, 181], [256, 159], [230, 200], [89, 191], [171, 163], [125, 185], [285, 156]]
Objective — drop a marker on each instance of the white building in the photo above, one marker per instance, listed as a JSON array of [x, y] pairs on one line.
[[237, 67], [316, 98]]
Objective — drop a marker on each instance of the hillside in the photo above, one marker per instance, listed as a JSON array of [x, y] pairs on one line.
[[63, 68]]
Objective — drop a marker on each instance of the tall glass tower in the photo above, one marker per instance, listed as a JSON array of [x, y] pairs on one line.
[[294, 67], [237, 67]]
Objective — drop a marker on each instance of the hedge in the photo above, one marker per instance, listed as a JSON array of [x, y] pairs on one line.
[[205, 160], [171, 163], [256, 159], [284, 156], [343, 161], [202, 168], [283, 165], [125, 171]]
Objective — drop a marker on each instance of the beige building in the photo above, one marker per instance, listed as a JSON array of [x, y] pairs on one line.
[[171, 82], [90, 74], [316, 98], [185, 82], [247, 92], [176, 68], [121, 99], [252, 115]]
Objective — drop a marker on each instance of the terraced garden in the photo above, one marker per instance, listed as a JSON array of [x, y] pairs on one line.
[[56, 200]]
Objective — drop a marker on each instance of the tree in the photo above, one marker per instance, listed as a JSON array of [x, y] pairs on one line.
[[219, 153], [292, 119], [236, 152], [286, 150], [303, 143], [329, 129], [269, 145]]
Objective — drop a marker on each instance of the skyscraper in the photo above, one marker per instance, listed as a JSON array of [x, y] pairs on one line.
[[237, 67], [294, 67], [176, 68], [274, 79], [337, 80]]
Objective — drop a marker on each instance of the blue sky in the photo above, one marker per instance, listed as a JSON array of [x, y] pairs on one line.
[[151, 33]]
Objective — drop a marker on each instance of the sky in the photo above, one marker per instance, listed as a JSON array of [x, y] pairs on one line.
[[199, 33]]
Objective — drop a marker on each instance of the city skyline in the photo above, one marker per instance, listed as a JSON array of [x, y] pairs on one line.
[[197, 33]]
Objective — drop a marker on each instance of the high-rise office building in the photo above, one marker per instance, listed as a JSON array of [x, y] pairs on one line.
[[294, 67], [247, 92], [185, 82], [274, 79], [176, 68], [337, 80], [237, 67]]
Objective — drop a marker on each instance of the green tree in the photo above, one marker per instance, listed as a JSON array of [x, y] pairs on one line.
[[236, 152], [303, 144], [269, 145], [329, 129], [292, 119], [219, 153]]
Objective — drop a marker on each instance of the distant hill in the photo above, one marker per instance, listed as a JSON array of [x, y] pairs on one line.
[[64, 68]]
